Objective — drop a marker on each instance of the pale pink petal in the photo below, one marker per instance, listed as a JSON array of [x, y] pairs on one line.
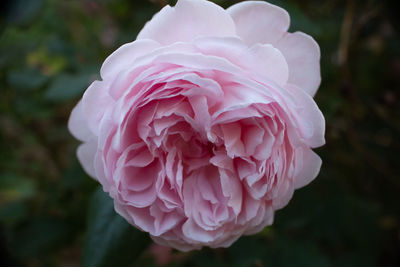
[[222, 161], [258, 188], [268, 218], [77, 124], [284, 194], [163, 222], [189, 195], [124, 56], [226, 241], [186, 21], [232, 139], [311, 164], [140, 158], [272, 63], [263, 59], [302, 54], [310, 118], [134, 182], [259, 21], [176, 243], [252, 136], [193, 232], [237, 114], [264, 150], [206, 189], [232, 189], [124, 211], [244, 168], [169, 197], [201, 113], [86, 154], [250, 207], [197, 61], [138, 216], [96, 96], [140, 199]]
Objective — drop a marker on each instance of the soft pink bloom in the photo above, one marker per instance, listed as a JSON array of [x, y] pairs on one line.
[[203, 127]]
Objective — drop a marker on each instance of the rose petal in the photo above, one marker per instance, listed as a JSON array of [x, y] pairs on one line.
[[96, 96], [259, 22], [125, 55], [186, 21], [232, 188], [233, 140], [271, 62], [311, 164], [284, 194], [140, 199], [192, 231], [77, 124], [311, 121], [163, 221], [259, 58], [137, 216], [302, 54], [86, 153]]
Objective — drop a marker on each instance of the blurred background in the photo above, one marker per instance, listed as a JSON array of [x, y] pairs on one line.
[[53, 214]]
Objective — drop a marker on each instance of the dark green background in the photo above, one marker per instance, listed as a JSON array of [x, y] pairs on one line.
[[52, 214]]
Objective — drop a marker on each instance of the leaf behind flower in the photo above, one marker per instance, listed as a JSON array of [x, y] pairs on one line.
[[110, 240]]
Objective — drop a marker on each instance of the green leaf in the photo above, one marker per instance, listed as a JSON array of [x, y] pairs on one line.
[[110, 240], [67, 86]]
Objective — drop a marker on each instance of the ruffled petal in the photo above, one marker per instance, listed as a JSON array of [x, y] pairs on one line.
[[193, 232], [262, 59]]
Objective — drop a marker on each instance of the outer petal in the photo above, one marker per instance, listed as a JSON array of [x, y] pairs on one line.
[[77, 124], [188, 20], [311, 165], [274, 64], [86, 153], [310, 118], [302, 55], [259, 22], [125, 55], [193, 232], [175, 243], [259, 58], [285, 193], [95, 101]]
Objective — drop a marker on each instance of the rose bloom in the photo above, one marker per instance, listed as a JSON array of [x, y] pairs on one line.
[[203, 126]]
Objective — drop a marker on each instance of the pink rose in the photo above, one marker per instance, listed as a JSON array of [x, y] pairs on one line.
[[203, 127]]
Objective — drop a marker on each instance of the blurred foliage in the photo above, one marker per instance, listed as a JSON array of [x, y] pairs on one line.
[[50, 50]]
